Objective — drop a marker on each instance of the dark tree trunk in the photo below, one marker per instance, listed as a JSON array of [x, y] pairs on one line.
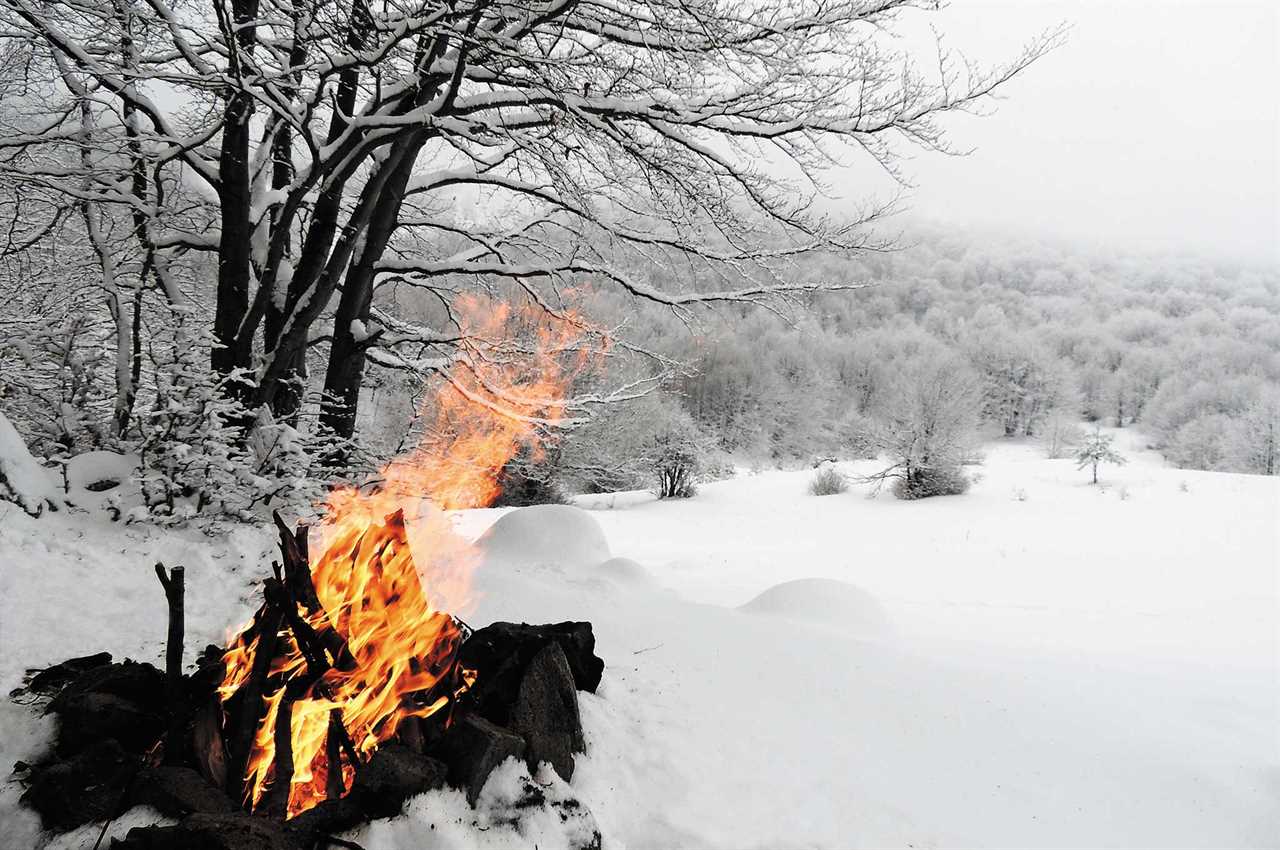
[[282, 385], [287, 402], [231, 351], [345, 372]]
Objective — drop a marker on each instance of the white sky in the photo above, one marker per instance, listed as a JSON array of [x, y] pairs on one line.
[[1155, 126]]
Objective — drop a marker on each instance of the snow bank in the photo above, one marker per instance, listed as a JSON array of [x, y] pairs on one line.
[[624, 571], [825, 601], [22, 479], [561, 537], [101, 480], [100, 470]]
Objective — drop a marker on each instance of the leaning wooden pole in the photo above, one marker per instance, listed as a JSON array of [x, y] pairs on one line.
[[174, 584]]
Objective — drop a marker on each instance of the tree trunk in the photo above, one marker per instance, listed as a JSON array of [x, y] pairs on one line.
[[345, 372], [232, 352]]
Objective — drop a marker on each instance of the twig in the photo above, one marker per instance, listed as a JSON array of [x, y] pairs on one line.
[[648, 648]]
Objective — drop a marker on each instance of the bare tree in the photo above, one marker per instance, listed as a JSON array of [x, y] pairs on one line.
[[928, 428], [314, 151]]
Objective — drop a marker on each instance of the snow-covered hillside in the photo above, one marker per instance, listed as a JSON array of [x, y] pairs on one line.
[[1039, 663]]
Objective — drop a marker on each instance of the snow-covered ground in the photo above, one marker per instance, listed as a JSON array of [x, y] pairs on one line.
[[1038, 663]]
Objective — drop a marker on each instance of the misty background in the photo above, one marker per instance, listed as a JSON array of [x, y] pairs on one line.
[[1152, 128]]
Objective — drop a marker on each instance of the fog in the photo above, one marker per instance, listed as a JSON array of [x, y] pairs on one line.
[[1153, 127]]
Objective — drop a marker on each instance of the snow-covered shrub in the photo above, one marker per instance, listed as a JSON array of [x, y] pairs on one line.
[[1060, 433], [649, 441], [23, 480], [921, 483], [828, 481], [928, 429], [717, 466], [676, 464], [203, 452], [1019, 494], [55, 384]]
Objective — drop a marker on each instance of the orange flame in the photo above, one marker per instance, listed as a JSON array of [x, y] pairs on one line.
[[511, 380]]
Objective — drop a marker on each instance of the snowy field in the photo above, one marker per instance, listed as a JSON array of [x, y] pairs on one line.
[[1039, 663]]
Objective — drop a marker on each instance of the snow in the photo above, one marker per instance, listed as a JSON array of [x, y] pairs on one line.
[[825, 601], [98, 469], [625, 571], [555, 537], [1090, 666], [23, 480]]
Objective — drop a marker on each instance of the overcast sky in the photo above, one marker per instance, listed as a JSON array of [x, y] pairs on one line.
[[1154, 126]]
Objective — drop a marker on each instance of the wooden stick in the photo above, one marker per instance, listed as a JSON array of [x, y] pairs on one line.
[[298, 581], [252, 693], [174, 585], [278, 795], [334, 783]]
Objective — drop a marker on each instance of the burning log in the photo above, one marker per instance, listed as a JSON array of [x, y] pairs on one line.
[[348, 692], [252, 707], [335, 661]]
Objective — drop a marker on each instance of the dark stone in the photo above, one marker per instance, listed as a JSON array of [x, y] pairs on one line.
[[86, 718], [124, 701], [87, 787], [546, 712], [141, 684], [472, 748], [53, 679], [236, 831], [382, 785], [500, 652], [178, 791], [394, 774]]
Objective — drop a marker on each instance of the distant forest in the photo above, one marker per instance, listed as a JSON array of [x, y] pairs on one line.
[[1050, 337]]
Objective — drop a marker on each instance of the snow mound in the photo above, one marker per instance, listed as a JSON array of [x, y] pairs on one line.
[[100, 470], [545, 535], [825, 601], [22, 479], [624, 571]]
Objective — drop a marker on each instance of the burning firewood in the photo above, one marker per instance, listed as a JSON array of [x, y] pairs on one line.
[[347, 692]]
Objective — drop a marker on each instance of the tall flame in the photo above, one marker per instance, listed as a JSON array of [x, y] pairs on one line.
[[392, 616]]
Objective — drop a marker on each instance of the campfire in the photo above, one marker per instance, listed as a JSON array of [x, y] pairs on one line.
[[353, 649], [355, 685]]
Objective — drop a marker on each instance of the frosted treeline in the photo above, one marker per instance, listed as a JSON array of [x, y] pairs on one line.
[[1184, 349]]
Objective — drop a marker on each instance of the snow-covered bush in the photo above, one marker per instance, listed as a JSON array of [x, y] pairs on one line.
[[828, 481], [55, 386], [928, 430], [23, 480], [202, 452], [923, 482], [649, 441], [677, 455]]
